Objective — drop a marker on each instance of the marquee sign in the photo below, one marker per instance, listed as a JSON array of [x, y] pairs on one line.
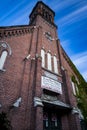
[[50, 84]]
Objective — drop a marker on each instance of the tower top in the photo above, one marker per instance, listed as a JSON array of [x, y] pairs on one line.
[[44, 11]]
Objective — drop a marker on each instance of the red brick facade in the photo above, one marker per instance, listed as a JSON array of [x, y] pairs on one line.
[[21, 76]]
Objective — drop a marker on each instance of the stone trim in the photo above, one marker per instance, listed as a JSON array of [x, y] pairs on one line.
[[37, 102]]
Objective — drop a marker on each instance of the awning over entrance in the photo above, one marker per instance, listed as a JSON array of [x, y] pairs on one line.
[[57, 103], [51, 103]]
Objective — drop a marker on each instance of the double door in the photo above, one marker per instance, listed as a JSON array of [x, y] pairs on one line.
[[51, 121]]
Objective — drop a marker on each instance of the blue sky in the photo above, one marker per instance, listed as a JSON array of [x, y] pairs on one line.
[[71, 19]]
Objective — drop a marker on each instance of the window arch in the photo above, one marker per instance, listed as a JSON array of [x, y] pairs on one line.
[[3, 59], [43, 57], [55, 64], [5, 50], [49, 61]]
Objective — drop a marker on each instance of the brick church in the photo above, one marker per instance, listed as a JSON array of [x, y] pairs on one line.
[[36, 89]]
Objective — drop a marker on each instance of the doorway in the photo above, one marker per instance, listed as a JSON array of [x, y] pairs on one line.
[[51, 121]]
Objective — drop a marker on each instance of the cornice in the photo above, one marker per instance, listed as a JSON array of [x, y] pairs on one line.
[[7, 32]]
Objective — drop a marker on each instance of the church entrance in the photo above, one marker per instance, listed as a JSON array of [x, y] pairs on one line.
[[51, 121]]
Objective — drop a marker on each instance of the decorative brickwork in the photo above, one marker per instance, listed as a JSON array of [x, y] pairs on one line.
[[14, 31]]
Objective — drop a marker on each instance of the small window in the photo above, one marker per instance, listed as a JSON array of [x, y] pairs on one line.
[[73, 87], [3, 59], [48, 36], [55, 64], [49, 61], [43, 57]]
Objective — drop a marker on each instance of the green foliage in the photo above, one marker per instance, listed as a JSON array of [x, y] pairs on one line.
[[4, 122], [81, 95], [74, 80]]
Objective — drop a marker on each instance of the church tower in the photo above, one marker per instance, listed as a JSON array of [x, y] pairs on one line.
[[52, 95], [44, 11]]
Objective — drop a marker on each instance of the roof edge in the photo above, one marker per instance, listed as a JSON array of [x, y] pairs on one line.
[[44, 5]]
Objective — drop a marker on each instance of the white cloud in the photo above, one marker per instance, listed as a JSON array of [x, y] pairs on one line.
[[79, 14], [23, 18], [80, 60], [85, 75], [66, 45], [19, 17], [62, 4], [11, 11]]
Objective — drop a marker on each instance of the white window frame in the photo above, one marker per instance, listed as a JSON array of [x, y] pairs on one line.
[[49, 61], [3, 59], [55, 64], [73, 87], [43, 57]]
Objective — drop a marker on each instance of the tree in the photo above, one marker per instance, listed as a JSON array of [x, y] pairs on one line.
[[4, 122]]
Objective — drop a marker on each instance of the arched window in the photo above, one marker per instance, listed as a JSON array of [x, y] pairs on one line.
[[55, 64], [43, 57], [5, 50], [3, 59], [73, 87], [49, 61]]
